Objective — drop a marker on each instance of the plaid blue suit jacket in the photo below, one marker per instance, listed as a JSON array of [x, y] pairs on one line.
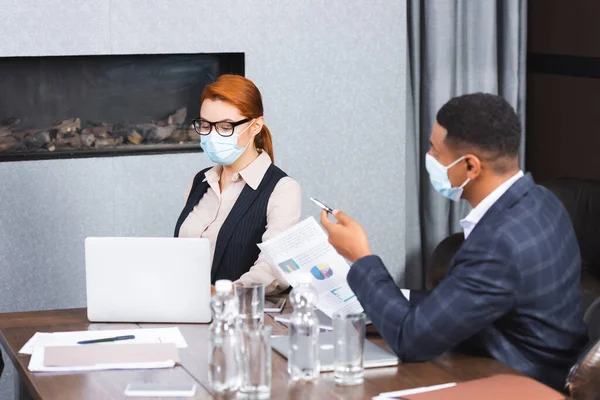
[[511, 292]]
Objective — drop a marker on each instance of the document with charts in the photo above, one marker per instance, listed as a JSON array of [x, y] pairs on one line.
[[305, 247]]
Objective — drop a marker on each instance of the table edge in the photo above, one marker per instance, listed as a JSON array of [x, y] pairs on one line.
[[22, 372]]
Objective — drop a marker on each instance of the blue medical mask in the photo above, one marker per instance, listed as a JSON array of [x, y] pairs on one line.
[[223, 150], [438, 176]]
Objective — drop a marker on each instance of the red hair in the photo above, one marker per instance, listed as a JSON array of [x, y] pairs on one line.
[[243, 94]]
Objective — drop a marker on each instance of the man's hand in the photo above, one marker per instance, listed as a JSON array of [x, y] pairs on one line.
[[346, 236]]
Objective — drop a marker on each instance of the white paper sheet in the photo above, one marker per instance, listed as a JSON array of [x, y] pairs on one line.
[[149, 335], [408, 392], [305, 247]]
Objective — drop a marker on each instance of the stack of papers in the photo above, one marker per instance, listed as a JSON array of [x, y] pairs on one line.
[[59, 351]]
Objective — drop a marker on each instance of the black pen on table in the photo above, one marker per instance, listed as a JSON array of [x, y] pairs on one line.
[[106, 340]]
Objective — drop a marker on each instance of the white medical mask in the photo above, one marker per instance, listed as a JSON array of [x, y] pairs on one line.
[[223, 150], [438, 176]]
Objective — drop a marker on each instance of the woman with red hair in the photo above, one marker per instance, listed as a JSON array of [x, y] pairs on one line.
[[244, 199]]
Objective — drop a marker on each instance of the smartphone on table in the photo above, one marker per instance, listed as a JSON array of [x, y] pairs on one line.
[[274, 305], [160, 390]]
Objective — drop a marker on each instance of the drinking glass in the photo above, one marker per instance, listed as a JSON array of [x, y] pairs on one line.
[[349, 343], [251, 298], [256, 363]]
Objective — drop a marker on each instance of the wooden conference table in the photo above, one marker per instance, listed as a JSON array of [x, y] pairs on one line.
[[17, 328]]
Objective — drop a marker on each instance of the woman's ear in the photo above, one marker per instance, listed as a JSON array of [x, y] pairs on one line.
[[257, 126]]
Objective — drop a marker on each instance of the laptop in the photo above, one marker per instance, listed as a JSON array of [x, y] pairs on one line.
[[373, 355], [163, 280]]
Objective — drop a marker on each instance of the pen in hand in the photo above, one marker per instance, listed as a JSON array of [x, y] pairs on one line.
[[106, 340], [322, 205]]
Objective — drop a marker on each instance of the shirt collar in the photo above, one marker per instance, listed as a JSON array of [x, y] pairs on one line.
[[468, 223], [212, 175], [256, 170], [252, 174]]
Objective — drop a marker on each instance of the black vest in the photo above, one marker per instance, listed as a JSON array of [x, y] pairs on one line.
[[236, 249]]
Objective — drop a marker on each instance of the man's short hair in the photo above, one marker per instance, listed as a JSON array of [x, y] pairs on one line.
[[483, 121]]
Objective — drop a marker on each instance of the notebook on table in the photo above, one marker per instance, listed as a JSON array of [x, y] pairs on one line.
[[373, 356], [96, 357]]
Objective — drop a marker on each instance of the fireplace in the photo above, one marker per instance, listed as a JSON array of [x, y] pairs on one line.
[[98, 106]]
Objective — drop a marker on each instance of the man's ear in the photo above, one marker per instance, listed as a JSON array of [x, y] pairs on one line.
[[473, 166]]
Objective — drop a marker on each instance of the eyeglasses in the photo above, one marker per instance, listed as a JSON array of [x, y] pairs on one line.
[[223, 128]]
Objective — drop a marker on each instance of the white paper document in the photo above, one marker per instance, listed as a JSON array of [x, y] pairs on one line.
[[305, 247], [150, 335]]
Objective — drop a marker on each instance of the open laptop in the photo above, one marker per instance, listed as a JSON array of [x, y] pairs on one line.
[[373, 355], [148, 279]]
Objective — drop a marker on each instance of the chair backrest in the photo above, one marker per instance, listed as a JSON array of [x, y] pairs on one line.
[[441, 258], [592, 319], [581, 199], [583, 381]]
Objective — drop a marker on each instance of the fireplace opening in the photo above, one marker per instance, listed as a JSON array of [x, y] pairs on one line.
[[97, 106]]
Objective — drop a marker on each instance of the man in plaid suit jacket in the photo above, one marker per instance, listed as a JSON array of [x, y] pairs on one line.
[[512, 290]]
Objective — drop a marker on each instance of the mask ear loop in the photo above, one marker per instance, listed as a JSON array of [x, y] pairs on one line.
[[468, 179], [251, 139], [455, 162], [452, 165]]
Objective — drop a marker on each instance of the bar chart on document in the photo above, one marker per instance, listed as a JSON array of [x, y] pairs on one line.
[[343, 293]]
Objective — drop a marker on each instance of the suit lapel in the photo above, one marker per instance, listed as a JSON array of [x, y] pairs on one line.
[[198, 190], [515, 192], [507, 200], [510, 197], [197, 195], [238, 211]]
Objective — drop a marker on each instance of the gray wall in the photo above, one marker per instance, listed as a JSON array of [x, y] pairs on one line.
[[332, 74]]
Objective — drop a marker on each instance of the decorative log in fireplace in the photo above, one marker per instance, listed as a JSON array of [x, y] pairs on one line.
[[64, 107], [69, 134]]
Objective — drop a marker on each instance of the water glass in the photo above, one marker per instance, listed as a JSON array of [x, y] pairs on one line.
[[256, 363], [349, 343], [251, 298]]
